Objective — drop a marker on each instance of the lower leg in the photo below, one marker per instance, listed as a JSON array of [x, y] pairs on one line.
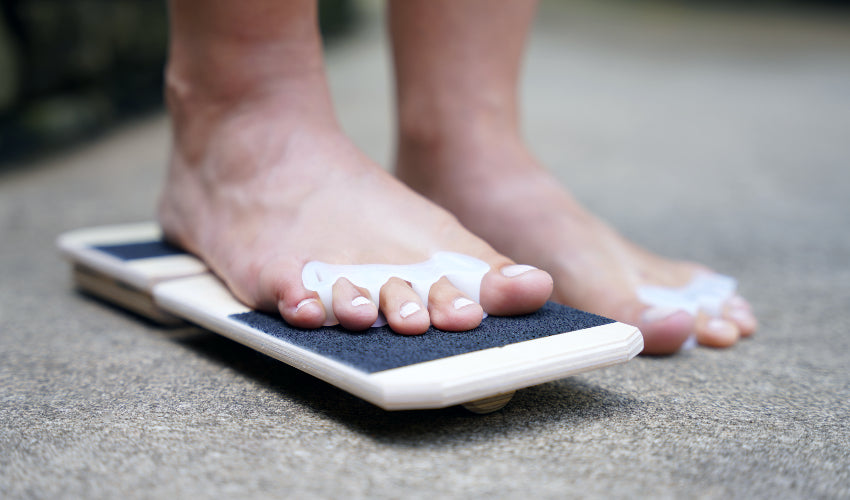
[[448, 82], [457, 66], [262, 180]]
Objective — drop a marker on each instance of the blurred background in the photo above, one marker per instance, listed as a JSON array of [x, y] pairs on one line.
[[717, 132], [69, 69]]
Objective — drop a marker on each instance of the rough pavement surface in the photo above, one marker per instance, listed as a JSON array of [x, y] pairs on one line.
[[719, 137]]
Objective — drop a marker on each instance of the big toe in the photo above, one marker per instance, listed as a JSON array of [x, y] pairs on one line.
[[664, 330]]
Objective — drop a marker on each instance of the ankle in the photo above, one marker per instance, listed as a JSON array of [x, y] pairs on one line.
[[200, 107], [226, 50], [434, 120], [231, 79], [452, 144]]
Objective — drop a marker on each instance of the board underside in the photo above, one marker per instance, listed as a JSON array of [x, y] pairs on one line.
[[130, 266]]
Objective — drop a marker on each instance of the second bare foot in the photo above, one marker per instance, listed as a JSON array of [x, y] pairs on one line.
[[490, 181]]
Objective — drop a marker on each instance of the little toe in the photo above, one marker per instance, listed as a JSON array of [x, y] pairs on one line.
[[451, 310], [280, 284], [306, 313], [739, 312], [352, 306], [511, 289], [404, 310], [716, 332]]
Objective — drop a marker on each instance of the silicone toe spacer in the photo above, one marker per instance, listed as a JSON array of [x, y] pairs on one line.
[[463, 271], [706, 293]]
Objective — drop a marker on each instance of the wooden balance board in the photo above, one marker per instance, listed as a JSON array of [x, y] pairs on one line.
[[131, 266]]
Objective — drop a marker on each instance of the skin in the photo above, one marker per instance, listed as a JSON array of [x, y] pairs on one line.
[[457, 65], [262, 180]]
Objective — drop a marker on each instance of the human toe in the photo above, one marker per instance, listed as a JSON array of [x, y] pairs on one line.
[[510, 289], [664, 329], [280, 286], [739, 312], [352, 306], [305, 313], [403, 308], [451, 310], [716, 332]]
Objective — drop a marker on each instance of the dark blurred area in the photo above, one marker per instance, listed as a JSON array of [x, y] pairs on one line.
[[71, 68]]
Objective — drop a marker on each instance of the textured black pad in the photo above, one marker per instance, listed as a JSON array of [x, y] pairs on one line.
[[142, 250], [378, 349]]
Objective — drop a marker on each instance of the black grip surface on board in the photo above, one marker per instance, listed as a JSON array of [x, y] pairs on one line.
[[378, 349], [140, 250]]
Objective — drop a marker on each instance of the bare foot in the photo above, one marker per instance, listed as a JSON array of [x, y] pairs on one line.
[[259, 186], [490, 181]]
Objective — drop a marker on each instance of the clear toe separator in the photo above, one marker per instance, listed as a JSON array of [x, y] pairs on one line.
[[463, 271], [706, 292]]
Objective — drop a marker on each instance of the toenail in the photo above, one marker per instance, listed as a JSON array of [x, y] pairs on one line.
[[304, 303], [738, 302], [360, 301], [718, 327], [689, 343], [462, 302], [658, 313], [741, 316], [516, 270], [408, 308]]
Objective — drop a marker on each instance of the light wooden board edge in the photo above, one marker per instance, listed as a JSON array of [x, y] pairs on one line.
[[122, 295], [464, 378], [77, 247], [432, 384]]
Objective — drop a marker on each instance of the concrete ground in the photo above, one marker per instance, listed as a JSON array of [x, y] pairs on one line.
[[720, 137]]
